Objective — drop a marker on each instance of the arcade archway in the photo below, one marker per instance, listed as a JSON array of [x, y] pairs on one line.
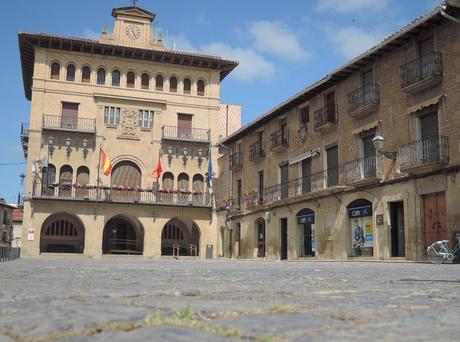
[[123, 235], [180, 235], [62, 233]]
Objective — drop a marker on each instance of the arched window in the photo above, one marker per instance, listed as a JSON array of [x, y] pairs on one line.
[[126, 174], [55, 70], [70, 75], [65, 181], [182, 182], [187, 86], [159, 83], [101, 76], [130, 79], [168, 180], [173, 84], [86, 74], [116, 78], [200, 87], [145, 81], [82, 180], [198, 183]]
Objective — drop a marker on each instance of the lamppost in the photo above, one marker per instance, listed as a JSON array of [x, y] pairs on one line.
[[85, 148], [378, 145]]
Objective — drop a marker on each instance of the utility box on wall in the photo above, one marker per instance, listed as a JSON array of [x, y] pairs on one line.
[[209, 250]]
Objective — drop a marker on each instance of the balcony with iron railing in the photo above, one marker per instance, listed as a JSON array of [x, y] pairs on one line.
[[57, 122], [326, 118], [363, 171], [186, 134], [121, 195], [25, 137], [326, 180], [363, 100], [280, 138], [257, 151], [422, 73], [424, 155], [236, 161]]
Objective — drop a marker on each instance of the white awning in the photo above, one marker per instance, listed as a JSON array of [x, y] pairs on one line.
[[303, 156]]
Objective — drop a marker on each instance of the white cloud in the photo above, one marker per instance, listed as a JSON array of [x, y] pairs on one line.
[[252, 65], [180, 42], [351, 41], [348, 6], [276, 38]]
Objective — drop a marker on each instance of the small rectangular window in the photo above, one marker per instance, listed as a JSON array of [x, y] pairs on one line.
[[304, 115], [111, 116], [146, 119]]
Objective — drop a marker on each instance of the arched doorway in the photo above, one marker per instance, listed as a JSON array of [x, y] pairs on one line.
[[126, 178], [123, 235], [260, 229], [198, 189], [361, 230], [62, 233], [307, 240], [82, 181], [65, 181], [182, 234]]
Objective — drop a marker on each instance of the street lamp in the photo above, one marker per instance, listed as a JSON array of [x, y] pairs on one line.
[[378, 145], [85, 148], [200, 157], [50, 146], [68, 141], [185, 157], [170, 153], [22, 176]]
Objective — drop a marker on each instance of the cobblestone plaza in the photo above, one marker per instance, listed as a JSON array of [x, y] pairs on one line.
[[119, 299]]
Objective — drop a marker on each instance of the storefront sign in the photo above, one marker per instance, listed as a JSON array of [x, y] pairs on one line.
[[307, 218], [379, 219], [360, 211], [31, 234]]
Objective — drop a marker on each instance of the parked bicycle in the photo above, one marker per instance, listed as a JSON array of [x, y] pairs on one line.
[[439, 251]]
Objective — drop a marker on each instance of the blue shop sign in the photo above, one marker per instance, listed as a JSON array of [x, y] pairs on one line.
[[360, 211], [306, 218]]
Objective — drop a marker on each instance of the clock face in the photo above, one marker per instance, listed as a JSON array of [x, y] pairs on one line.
[[133, 32]]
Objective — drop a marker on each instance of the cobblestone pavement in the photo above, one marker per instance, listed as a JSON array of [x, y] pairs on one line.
[[120, 299]]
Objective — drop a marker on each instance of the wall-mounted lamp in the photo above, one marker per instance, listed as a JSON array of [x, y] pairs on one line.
[[50, 146], [170, 155], [22, 176], [185, 156], [68, 141], [85, 148], [200, 157], [378, 145]]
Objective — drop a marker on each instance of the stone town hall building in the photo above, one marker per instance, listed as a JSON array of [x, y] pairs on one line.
[[363, 163], [138, 101]]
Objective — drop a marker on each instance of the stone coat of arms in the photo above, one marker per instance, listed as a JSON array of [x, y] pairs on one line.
[[128, 122]]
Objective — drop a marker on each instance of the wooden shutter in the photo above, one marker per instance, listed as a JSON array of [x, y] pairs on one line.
[[126, 173], [69, 114], [184, 125]]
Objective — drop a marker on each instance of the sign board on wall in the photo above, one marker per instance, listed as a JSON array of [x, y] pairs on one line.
[[379, 219], [31, 234]]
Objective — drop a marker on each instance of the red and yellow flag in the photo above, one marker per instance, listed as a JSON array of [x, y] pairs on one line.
[[158, 170], [106, 165]]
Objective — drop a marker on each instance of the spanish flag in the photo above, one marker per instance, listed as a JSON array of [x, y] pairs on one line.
[[158, 170], [106, 165]]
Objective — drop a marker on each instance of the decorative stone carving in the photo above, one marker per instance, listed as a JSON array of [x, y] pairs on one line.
[[302, 134], [128, 122]]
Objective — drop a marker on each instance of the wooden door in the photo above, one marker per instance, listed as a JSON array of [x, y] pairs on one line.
[[69, 115], [434, 214], [184, 125], [261, 239]]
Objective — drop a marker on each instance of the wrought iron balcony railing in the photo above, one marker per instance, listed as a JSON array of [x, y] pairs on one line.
[[257, 150], [361, 169], [280, 138], [236, 160], [326, 115], [421, 68], [300, 186], [426, 151], [115, 194], [364, 96], [25, 137], [186, 133], [69, 124], [25, 129]]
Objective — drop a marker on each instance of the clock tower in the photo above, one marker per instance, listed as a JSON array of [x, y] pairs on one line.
[[133, 26]]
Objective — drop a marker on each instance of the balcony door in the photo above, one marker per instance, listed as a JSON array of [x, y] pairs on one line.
[[69, 115], [368, 79], [284, 172], [425, 47], [332, 166], [428, 147], [330, 106], [368, 161], [306, 175], [184, 126]]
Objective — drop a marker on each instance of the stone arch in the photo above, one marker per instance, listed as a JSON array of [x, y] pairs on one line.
[[201, 87], [168, 181], [62, 233], [125, 179], [183, 181], [101, 75], [65, 180], [123, 234], [306, 232], [182, 232], [131, 79], [145, 80], [361, 232], [71, 71], [55, 70], [86, 72]]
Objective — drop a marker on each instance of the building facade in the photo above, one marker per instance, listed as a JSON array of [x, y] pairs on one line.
[[140, 103], [363, 163], [6, 227]]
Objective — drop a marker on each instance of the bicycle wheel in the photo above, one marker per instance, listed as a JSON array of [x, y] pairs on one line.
[[436, 253]]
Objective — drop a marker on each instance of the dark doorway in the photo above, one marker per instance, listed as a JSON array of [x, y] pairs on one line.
[[306, 175], [284, 170], [121, 237], [332, 157], [284, 239], [261, 238], [306, 221], [398, 246]]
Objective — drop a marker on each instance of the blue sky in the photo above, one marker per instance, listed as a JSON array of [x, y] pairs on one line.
[[282, 46]]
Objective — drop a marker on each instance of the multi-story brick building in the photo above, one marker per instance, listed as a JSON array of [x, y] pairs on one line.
[[311, 177], [138, 101]]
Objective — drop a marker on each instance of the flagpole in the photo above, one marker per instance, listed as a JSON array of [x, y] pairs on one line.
[[98, 180]]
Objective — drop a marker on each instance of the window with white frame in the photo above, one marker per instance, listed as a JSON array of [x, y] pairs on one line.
[[146, 119], [112, 116]]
